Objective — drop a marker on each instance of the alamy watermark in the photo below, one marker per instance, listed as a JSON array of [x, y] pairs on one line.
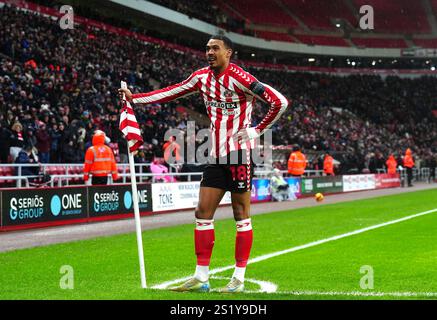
[[368, 18], [367, 281], [67, 279], [67, 20]]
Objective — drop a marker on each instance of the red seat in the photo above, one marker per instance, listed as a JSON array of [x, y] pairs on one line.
[[61, 170], [1, 175], [50, 170], [9, 172]]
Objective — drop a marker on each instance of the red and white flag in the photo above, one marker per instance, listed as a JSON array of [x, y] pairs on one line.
[[131, 130], [129, 126]]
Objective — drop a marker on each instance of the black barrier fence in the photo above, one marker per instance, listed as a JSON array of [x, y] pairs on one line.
[[46, 206]]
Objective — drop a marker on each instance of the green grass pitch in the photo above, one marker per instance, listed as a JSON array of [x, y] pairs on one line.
[[403, 257]]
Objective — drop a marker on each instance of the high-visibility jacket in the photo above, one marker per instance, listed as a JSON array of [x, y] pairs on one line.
[[99, 160], [391, 164], [408, 159], [168, 149], [328, 165], [297, 163]]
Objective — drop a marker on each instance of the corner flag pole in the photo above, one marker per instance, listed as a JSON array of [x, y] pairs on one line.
[[136, 211]]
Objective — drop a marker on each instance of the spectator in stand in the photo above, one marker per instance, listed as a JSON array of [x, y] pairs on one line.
[[281, 191], [328, 164], [55, 136], [27, 156], [16, 140], [379, 162], [62, 143], [431, 163], [5, 135], [70, 154], [148, 153], [157, 167], [372, 163], [43, 143], [30, 136], [409, 165]]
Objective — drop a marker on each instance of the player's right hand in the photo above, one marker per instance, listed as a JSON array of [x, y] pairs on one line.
[[127, 93]]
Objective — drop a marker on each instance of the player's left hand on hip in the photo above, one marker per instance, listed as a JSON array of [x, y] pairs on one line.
[[247, 134]]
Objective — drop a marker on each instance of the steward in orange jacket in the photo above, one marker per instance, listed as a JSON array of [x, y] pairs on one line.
[[171, 151], [409, 164], [297, 162], [408, 159], [99, 161], [328, 165], [391, 164]]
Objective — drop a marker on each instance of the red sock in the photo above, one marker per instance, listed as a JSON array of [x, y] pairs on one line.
[[204, 241], [243, 242]]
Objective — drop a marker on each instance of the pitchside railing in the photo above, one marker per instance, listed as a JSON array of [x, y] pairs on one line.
[[72, 174]]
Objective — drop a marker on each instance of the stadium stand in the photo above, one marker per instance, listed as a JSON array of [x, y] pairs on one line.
[[320, 14], [70, 84], [269, 35], [379, 43], [426, 43], [322, 40], [255, 12], [398, 16]]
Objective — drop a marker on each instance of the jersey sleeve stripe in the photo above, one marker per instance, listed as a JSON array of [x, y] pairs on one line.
[[185, 88], [278, 104]]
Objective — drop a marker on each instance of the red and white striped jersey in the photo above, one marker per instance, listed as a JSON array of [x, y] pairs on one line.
[[229, 99]]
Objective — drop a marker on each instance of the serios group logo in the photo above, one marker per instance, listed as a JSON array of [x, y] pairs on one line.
[[106, 201], [26, 208]]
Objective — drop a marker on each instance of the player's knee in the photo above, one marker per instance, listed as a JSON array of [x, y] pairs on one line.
[[240, 213], [202, 213]]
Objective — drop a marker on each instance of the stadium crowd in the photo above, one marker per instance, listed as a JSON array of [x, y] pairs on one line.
[[58, 86]]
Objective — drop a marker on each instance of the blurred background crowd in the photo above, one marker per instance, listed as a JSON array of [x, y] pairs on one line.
[[58, 86]]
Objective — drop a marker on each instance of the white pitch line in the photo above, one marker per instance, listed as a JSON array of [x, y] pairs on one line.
[[264, 286], [301, 247], [354, 293]]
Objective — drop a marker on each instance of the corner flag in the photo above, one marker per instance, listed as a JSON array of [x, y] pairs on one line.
[[131, 130], [129, 125]]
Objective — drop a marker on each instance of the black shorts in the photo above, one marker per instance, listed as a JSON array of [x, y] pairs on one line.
[[232, 173], [99, 180]]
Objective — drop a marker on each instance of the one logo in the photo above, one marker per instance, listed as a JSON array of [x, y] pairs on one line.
[[127, 200], [55, 205], [241, 185]]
